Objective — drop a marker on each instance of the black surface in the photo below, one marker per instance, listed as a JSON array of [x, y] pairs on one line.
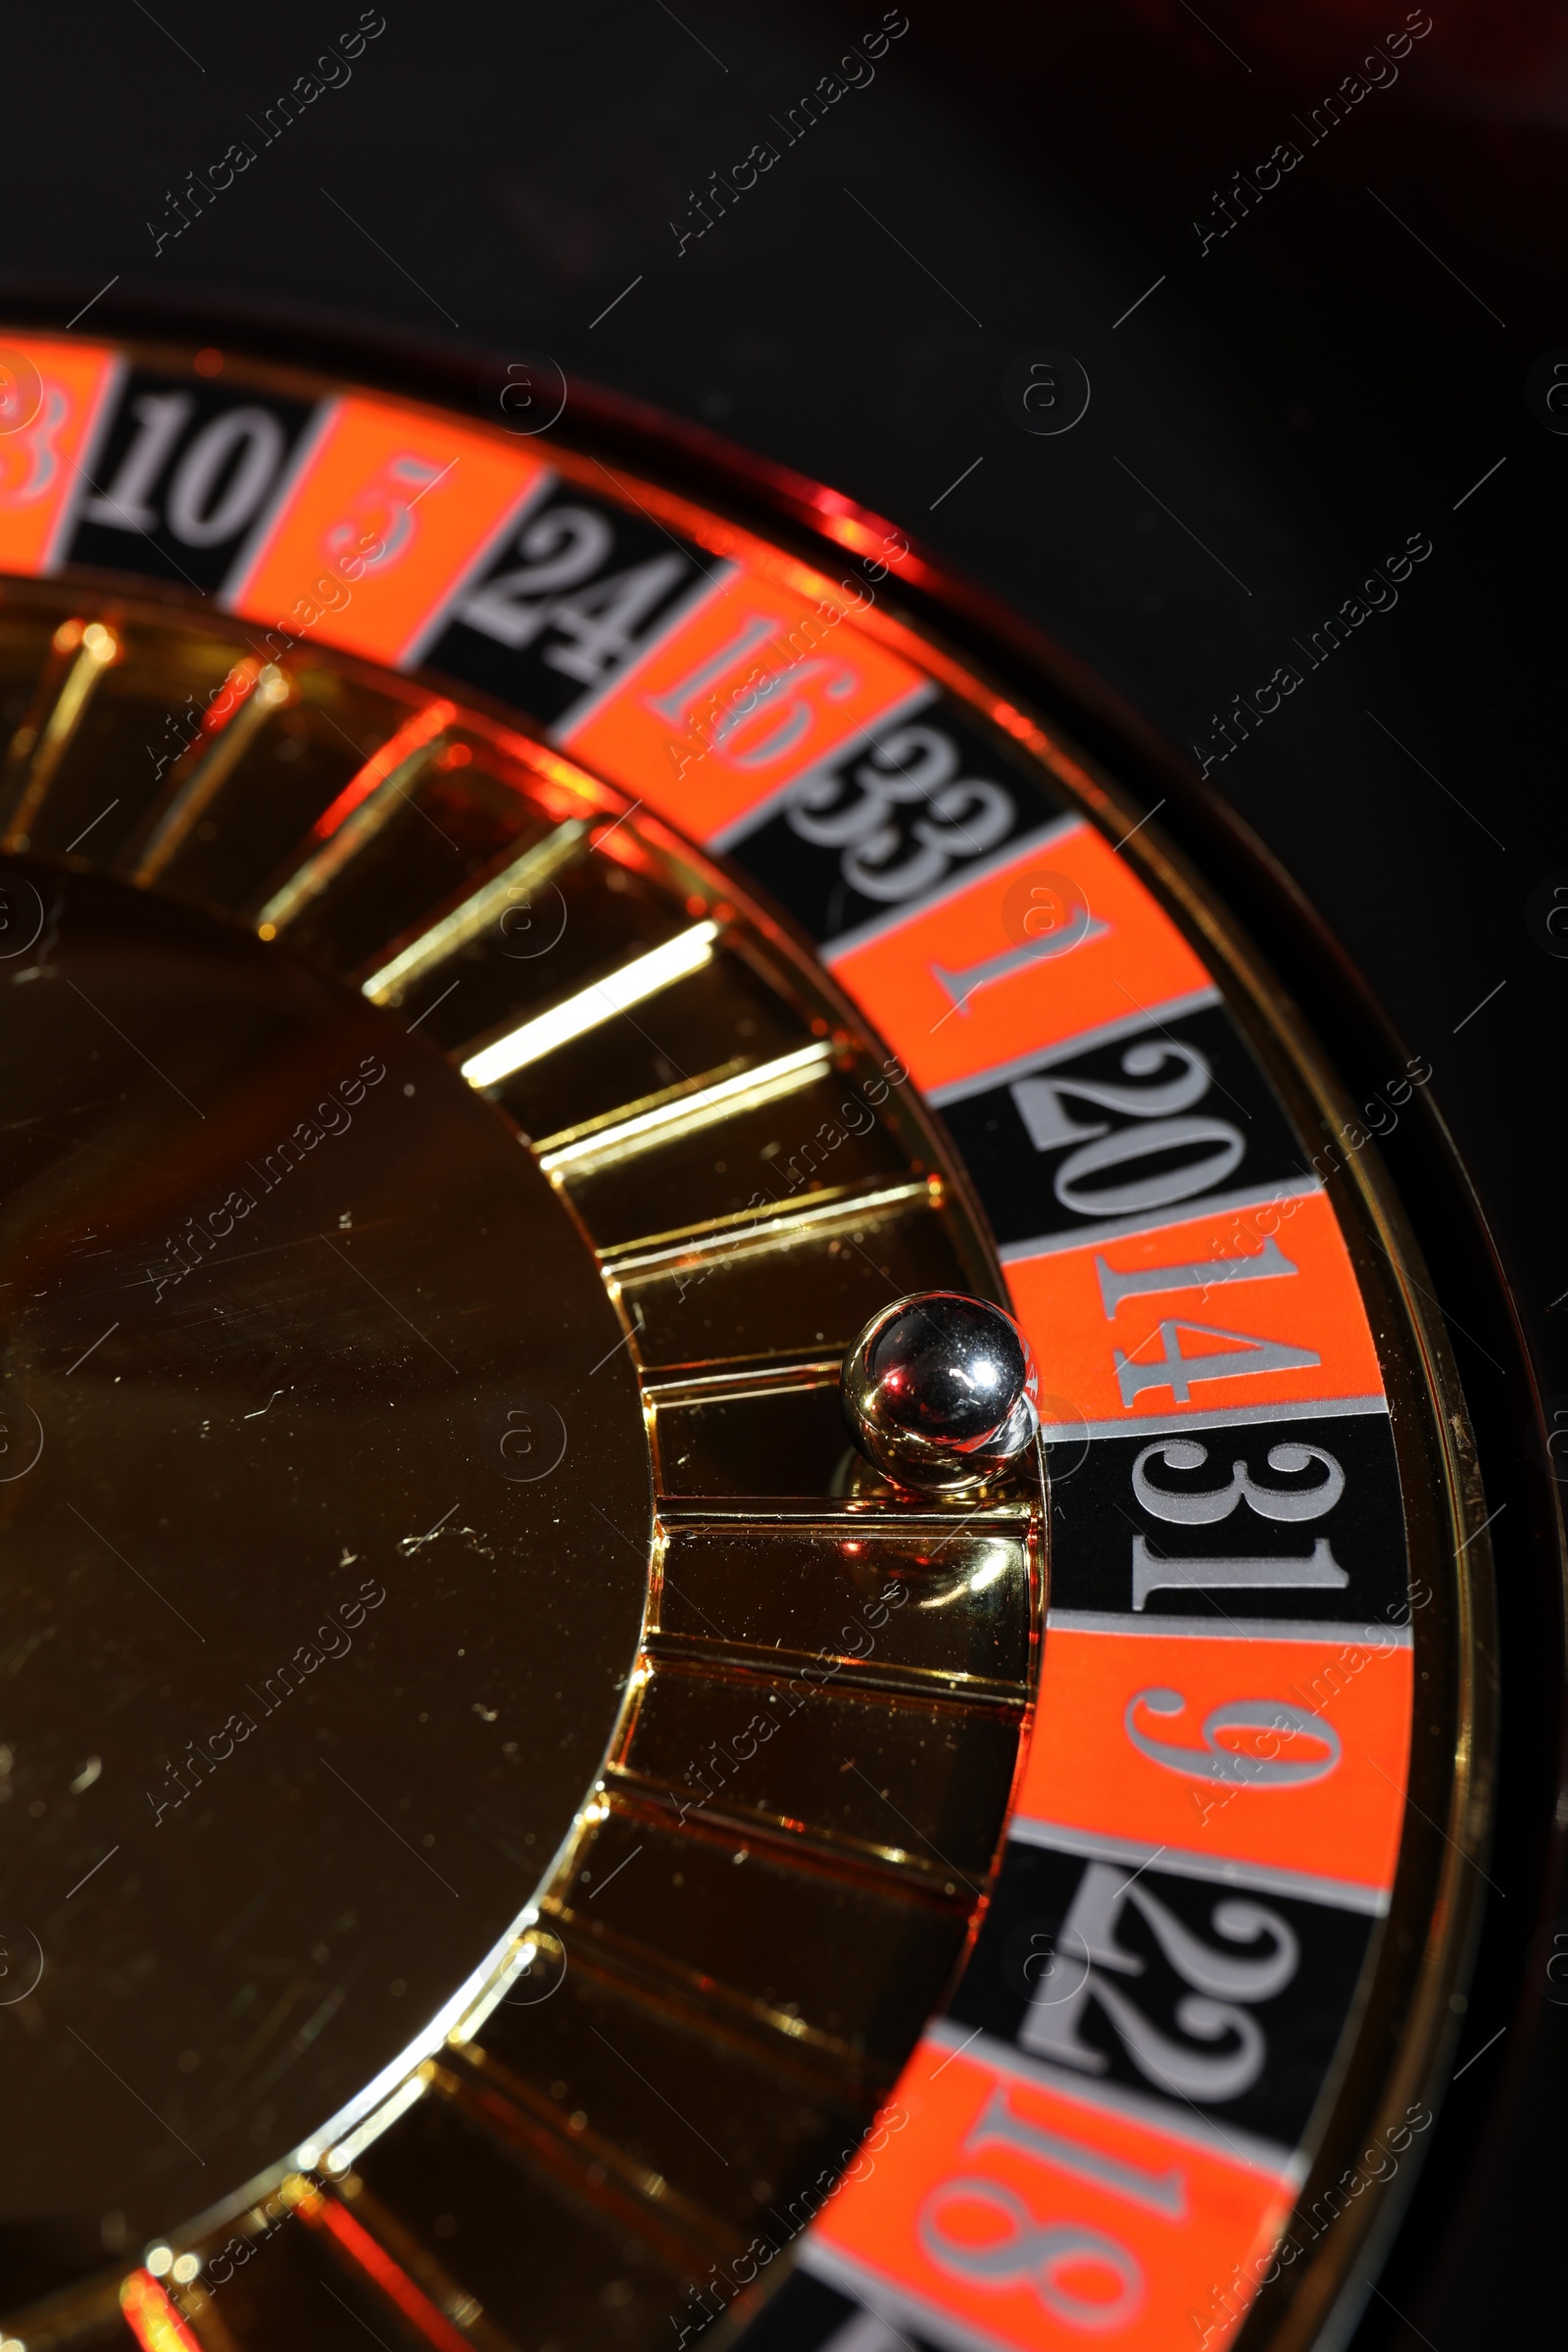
[[848, 855], [183, 477], [515, 634], [1347, 1463], [1290, 1967], [1126, 1131], [1299, 397]]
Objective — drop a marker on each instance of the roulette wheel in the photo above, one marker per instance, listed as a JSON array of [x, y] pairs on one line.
[[557, 964], [566, 989]]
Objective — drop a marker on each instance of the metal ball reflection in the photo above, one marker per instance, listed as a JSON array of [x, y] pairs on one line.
[[939, 1392]]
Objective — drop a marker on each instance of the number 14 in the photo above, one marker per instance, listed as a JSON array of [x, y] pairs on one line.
[[1174, 1369]]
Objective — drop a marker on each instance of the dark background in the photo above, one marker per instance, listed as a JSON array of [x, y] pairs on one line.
[[1280, 413]]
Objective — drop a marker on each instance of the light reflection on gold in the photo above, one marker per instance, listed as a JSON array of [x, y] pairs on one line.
[[226, 744], [358, 813], [773, 1226], [731, 1381], [152, 2318], [643, 977], [681, 1091], [683, 1116], [998, 1560], [529, 873], [96, 648], [347, 2151]]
